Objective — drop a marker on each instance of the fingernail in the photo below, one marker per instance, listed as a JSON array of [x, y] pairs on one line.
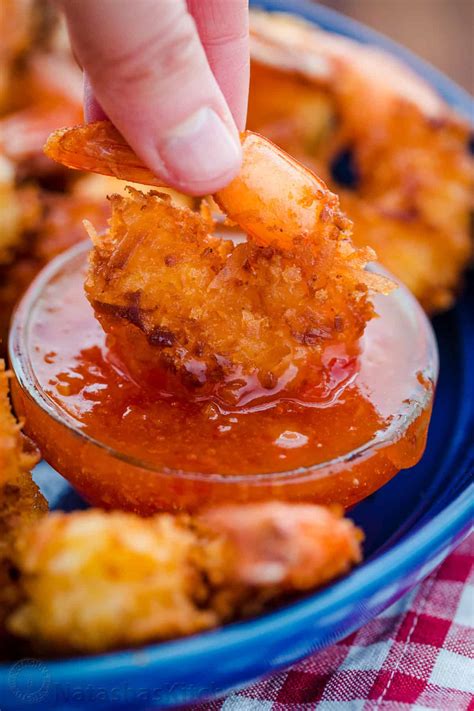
[[200, 149]]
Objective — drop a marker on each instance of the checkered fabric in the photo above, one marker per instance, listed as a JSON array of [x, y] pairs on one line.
[[416, 655]]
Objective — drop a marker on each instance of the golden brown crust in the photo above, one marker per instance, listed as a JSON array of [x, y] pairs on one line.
[[21, 502], [95, 581]]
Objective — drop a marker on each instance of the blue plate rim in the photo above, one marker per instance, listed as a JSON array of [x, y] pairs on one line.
[[416, 547]]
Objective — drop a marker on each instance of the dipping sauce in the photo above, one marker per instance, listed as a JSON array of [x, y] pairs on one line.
[[130, 446]]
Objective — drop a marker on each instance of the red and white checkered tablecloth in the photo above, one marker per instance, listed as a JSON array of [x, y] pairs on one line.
[[417, 655]]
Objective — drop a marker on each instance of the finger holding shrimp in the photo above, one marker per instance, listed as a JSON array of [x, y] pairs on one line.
[[274, 198]]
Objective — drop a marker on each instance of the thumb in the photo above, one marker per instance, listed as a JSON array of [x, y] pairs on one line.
[[148, 69]]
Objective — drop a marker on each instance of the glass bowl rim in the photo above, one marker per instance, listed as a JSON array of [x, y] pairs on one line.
[[24, 373]]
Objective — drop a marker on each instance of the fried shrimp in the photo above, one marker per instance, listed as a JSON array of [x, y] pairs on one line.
[[94, 581], [382, 139], [176, 299], [21, 503]]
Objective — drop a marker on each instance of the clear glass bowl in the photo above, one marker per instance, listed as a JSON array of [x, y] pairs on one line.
[[399, 367]]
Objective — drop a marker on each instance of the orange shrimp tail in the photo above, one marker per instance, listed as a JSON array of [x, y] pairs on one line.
[[99, 148]]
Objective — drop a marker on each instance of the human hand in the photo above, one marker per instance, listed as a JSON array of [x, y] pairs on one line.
[[172, 75]]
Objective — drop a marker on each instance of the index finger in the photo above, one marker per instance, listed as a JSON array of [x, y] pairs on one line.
[[223, 27]]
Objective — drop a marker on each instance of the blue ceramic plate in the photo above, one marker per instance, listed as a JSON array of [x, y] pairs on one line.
[[411, 524]]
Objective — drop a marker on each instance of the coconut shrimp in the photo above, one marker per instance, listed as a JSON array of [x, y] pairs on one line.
[[210, 311], [380, 136], [94, 581]]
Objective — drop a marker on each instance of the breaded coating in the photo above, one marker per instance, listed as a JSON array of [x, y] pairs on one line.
[[21, 502], [380, 136], [95, 581], [173, 297]]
